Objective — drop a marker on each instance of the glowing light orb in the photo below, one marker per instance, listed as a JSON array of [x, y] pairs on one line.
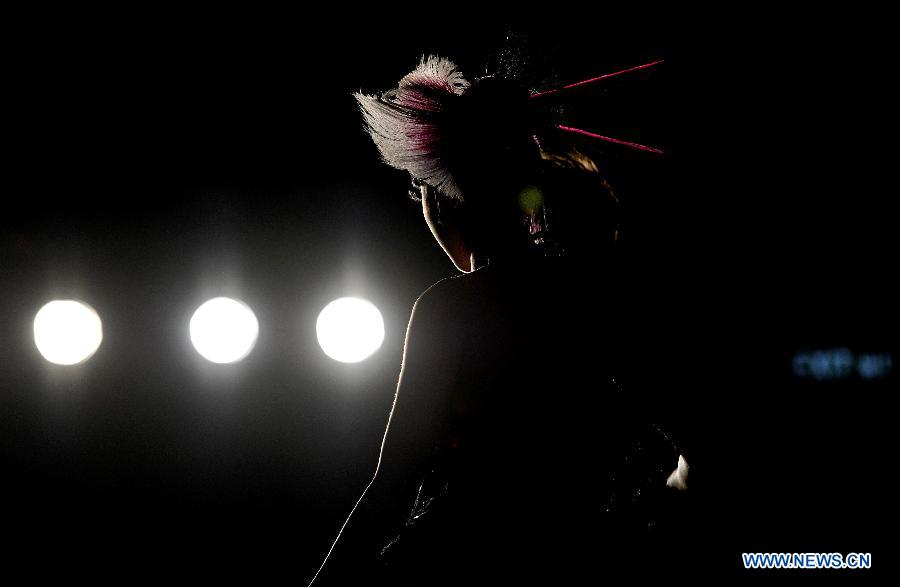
[[67, 332], [350, 329], [224, 330]]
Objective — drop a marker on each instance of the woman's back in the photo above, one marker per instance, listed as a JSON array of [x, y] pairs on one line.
[[535, 430]]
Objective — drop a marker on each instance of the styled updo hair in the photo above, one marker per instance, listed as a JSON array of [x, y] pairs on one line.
[[476, 144]]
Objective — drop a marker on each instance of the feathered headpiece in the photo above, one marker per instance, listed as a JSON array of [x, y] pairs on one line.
[[408, 124], [435, 123]]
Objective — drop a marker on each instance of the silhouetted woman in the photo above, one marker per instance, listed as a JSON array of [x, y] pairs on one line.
[[511, 453]]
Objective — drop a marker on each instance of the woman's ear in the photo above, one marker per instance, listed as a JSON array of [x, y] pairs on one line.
[[446, 223]]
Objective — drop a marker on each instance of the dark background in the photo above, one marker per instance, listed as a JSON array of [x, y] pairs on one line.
[[154, 161]]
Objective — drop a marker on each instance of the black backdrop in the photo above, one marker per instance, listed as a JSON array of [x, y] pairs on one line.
[[154, 161]]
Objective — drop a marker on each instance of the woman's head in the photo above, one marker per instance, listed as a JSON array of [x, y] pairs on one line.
[[472, 153]]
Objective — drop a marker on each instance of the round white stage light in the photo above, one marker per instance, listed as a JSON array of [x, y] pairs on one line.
[[67, 332], [224, 330], [350, 329]]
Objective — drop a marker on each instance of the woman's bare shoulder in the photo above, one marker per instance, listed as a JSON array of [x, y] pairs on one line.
[[428, 319], [456, 287], [450, 291], [445, 308]]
